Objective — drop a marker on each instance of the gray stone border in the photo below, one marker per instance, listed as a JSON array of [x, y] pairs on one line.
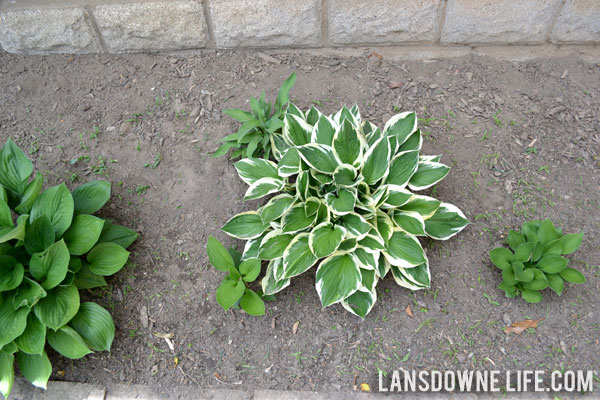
[[129, 26]]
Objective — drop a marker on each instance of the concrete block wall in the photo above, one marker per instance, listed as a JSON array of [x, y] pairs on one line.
[[124, 26]]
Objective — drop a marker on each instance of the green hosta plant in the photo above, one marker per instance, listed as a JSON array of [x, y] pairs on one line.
[[50, 247], [259, 127], [535, 260], [344, 202], [233, 291]]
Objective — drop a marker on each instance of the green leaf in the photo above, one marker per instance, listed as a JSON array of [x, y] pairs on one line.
[[16, 233], [7, 373], [107, 258], [91, 196], [15, 168], [319, 157], [539, 281], [284, 90], [83, 233], [95, 325], [68, 342], [414, 142], [360, 302], [50, 266], [36, 368], [397, 197], [402, 168], [28, 294], [290, 163], [515, 239], [32, 190], [238, 115], [447, 221], [11, 273], [343, 203], [324, 131], [263, 187], [401, 126], [547, 233], [33, 339], [224, 148], [269, 284], [273, 245], [552, 264], [410, 221], [58, 307], [118, 234], [530, 229], [571, 242], [86, 279], [524, 252], [218, 255], [13, 322], [508, 276], [296, 220], [252, 303], [376, 161], [56, 203], [556, 283], [5, 215], [229, 293], [338, 276], [572, 275], [502, 257], [298, 257], [251, 170], [246, 225], [325, 238], [522, 274], [39, 235], [428, 174], [531, 296], [424, 205], [295, 130], [250, 269], [276, 207], [404, 250], [346, 144]]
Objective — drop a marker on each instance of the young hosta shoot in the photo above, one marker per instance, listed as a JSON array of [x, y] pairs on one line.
[[52, 249], [535, 260], [233, 291], [344, 202], [259, 126]]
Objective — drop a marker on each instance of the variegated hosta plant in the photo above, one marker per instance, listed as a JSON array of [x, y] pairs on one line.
[[344, 203]]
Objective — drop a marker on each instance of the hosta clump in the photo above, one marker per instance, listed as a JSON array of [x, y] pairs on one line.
[[536, 261], [260, 127], [344, 202], [53, 248]]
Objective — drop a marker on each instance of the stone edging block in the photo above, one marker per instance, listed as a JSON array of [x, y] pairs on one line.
[[578, 22]]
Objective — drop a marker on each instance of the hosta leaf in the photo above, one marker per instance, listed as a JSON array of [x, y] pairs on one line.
[[553, 247], [250, 269], [571, 242], [539, 281], [572, 275], [5, 214], [360, 302], [325, 238], [7, 373], [32, 190], [313, 115], [508, 276], [402, 280], [446, 222], [531, 296], [238, 115], [95, 325], [295, 130], [552, 264], [397, 196], [401, 126], [107, 258], [410, 221], [218, 255], [289, 164], [11, 273], [86, 279], [338, 276], [376, 161], [251, 248], [229, 293], [68, 342], [269, 284], [251, 170], [402, 168], [319, 157], [118, 234], [302, 185], [366, 259], [252, 303], [83, 233], [274, 244], [414, 142], [56, 203], [263, 187], [278, 145], [344, 114], [323, 131], [58, 307], [515, 239], [546, 232], [404, 250], [15, 167], [372, 242], [524, 252], [50, 267], [385, 226], [246, 225], [28, 293], [298, 257], [36, 368], [428, 174], [522, 274], [430, 158], [284, 90], [347, 145], [343, 203], [383, 267], [13, 322], [33, 339], [39, 235], [276, 207], [356, 225], [345, 175], [424, 205], [90, 197], [556, 283], [296, 220], [17, 232], [530, 230], [419, 275]]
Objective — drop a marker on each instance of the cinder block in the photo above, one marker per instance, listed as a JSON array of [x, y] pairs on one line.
[[153, 26], [578, 22], [383, 21], [40, 30], [498, 21], [266, 23]]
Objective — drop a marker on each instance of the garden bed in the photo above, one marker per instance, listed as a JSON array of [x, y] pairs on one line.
[[523, 141]]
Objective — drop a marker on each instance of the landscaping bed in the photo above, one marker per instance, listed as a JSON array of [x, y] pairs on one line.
[[523, 141]]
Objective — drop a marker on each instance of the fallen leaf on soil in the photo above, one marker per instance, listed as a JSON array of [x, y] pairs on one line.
[[395, 85], [364, 387], [376, 54], [163, 335], [60, 373], [520, 326], [295, 327], [408, 311]]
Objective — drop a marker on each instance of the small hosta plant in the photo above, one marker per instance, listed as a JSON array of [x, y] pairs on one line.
[[50, 247], [344, 203], [535, 260], [260, 127], [234, 290]]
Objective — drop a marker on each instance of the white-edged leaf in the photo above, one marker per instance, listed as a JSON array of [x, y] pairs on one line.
[[377, 160], [252, 169], [360, 303], [325, 238], [298, 257], [366, 258], [447, 221], [319, 157], [296, 220], [289, 164], [402, 280], [276, 207], [347, 145], [397, 197], [324, 131], [263, 187], [246, 225], [401, 126], [269, 284], [424, 205], [273, 245], [295, 130], [410, 221], [402, 168], [355, 225], [345, 175], [428, 174], [404, 250], [343, 203], [338, 276]]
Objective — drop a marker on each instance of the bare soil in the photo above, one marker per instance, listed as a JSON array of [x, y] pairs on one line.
[[523, 140]]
